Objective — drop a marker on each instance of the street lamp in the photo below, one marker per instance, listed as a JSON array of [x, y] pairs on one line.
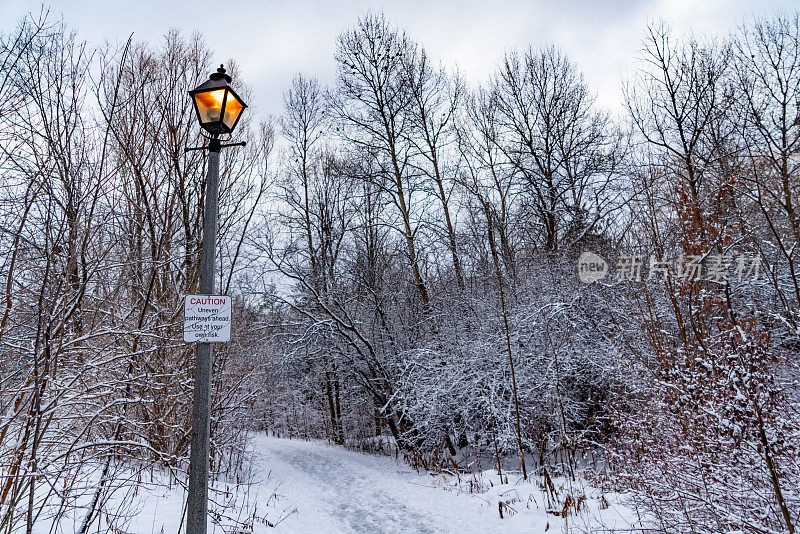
[[218, 109], [217, 105]]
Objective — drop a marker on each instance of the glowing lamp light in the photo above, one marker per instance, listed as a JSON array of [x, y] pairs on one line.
[[217, 105]]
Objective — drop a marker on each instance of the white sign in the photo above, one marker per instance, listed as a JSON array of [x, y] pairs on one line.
[[207, 319]]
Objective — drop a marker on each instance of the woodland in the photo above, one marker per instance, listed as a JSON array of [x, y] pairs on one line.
[[402, 249]]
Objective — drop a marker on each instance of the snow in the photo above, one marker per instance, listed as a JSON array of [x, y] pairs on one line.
[[352, 492], [313, 487]]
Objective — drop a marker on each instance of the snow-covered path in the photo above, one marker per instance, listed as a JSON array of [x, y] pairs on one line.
[[338, 491]]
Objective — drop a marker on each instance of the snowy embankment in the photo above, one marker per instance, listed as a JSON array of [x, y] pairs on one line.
[[312, 487]]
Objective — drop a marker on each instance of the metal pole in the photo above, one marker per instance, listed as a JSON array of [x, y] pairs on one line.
[[197, 506]]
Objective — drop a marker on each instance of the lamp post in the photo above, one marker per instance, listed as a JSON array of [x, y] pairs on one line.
[[218, 110]]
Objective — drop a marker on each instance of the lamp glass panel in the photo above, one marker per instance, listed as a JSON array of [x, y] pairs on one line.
[[233, 107], [209, 105]]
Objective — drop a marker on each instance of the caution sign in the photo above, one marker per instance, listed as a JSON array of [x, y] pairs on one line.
[[207, 319]]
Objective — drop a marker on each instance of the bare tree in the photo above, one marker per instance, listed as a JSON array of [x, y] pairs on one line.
[[435, 98], [768, 89], [371, 104], [561, 148]]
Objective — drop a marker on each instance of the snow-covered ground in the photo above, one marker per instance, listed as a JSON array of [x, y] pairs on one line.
[[304, 487], [340, 491]]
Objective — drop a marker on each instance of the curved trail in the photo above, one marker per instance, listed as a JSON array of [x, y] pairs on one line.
[[338, 491]]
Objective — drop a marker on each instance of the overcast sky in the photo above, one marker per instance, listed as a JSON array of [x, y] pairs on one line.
[[273, 40]]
